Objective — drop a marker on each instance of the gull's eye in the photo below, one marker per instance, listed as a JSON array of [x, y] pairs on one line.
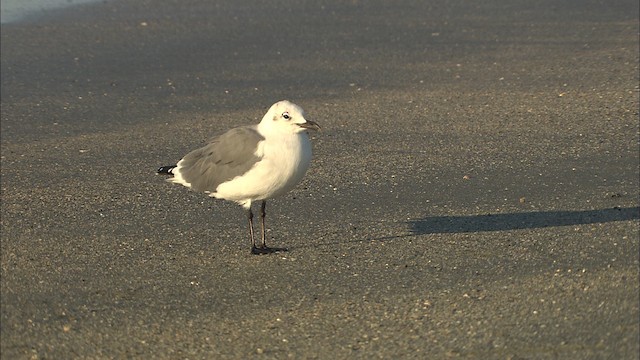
[[286, 116]]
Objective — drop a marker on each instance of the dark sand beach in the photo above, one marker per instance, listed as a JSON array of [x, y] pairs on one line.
[[474, 192]]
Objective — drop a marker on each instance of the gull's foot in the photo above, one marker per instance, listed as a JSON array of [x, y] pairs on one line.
[[267, 250]]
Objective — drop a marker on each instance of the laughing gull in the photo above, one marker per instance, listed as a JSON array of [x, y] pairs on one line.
[[251, 163]]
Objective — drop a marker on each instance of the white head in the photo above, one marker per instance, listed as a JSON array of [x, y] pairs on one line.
[[285, 116]]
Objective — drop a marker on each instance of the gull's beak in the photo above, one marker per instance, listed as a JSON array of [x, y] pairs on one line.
[[310, 125]]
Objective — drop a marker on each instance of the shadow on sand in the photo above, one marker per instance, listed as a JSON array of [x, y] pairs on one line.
[[514, 221]]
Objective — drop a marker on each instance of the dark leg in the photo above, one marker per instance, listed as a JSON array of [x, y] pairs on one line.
[[263, 247], [264, 229], [250, 217]]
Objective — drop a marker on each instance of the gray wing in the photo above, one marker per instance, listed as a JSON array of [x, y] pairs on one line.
[[225, 157]]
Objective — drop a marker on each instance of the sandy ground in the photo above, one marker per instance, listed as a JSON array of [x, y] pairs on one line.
[[474, 192]]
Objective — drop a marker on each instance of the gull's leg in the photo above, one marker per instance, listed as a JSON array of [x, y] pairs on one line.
[[253, 239], [264, 247], [264, 229]]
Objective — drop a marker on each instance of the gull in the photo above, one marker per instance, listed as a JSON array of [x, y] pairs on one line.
[[251, 163]]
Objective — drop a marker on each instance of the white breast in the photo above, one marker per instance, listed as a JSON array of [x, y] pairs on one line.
[[284, 163]]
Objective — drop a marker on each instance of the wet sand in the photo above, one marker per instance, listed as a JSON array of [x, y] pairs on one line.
[[474, 191]]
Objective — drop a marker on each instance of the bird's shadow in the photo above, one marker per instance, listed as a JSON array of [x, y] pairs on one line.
[[459, 224], [515, 221]]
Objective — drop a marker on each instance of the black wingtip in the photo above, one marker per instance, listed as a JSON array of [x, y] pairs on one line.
[[166, 170]]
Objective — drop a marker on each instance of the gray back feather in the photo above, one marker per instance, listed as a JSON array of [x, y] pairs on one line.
[[225, 157]]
